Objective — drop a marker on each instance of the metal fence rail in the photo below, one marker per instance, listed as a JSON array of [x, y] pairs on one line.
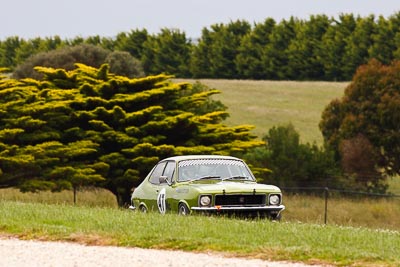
[[328, 192]]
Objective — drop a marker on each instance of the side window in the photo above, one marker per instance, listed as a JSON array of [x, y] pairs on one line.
[[158, 170], [169, 170]]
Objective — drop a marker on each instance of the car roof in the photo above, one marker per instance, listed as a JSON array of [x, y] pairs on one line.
[[189, 157]]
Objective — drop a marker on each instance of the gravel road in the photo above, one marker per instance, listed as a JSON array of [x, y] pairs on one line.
[[21, 253]]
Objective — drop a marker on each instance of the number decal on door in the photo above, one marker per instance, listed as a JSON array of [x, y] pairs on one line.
[[161, 201]]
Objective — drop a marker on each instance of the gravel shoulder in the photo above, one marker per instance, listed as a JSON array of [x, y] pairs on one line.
[[21, 253]]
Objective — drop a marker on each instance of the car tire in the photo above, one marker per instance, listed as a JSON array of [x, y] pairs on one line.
[[183, 209], [276, 218], [143, 209]]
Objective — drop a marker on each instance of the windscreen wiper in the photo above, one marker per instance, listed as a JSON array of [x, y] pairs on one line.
[[206, 177], [237, 177]]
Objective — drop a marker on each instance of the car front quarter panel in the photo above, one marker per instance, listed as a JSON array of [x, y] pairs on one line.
[[185, 194]]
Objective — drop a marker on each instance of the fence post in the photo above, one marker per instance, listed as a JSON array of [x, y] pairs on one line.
[[326, 190], [74, 195]]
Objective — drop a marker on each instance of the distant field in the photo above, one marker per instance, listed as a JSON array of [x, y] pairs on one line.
[[265, 104]]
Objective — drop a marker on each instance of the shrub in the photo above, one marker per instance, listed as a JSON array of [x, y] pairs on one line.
[[121, 63], [291, 163], [124, 64]]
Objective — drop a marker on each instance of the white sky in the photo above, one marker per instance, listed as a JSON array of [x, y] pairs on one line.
[[72, 18]]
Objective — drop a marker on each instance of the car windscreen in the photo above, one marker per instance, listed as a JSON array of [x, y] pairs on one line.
[[194, 169]]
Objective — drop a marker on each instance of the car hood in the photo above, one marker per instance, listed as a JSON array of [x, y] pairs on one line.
[[232, 187]]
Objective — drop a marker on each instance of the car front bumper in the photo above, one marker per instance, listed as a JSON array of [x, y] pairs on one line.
[[240, 208]]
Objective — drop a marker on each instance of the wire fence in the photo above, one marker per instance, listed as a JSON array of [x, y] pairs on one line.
[[327, 193]]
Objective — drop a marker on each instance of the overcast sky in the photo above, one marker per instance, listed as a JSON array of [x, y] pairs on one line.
[[72, 18]]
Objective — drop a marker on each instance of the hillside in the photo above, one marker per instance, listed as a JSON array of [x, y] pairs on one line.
[[270, 103]]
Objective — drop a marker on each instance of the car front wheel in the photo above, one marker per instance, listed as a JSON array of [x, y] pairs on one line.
[[276, 218], [143, 209], [183, 209]]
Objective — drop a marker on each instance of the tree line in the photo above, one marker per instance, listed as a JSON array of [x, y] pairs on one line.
[[319, 48]]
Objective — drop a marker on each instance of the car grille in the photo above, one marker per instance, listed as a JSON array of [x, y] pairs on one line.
[[240, 200]]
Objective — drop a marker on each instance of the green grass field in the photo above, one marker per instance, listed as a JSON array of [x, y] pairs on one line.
[[265, 104], [311, 243]]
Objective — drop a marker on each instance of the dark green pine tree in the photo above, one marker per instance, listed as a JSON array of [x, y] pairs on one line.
[[200, 57], [8, 49], [132, 42], [168, 52], [249, 61], [216, 52], [384, 44], [304, 50], [275, 53], [358, 45], [334, 43]]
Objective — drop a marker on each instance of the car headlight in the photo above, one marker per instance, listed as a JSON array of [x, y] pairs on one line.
[[274, 199], [205, 200]]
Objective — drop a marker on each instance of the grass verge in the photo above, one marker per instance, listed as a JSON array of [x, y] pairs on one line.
[[308, 243]]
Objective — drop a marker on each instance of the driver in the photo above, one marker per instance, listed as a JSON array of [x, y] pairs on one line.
[[187, 173]]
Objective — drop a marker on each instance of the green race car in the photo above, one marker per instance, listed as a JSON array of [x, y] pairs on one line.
[[206, 184]]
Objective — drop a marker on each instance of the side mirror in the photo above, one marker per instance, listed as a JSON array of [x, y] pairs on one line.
[[164, 180]]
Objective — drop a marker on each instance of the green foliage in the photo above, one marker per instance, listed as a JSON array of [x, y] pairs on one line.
[[357, 45], [276, 53], [251, 58], [65, 58], [123, 63], [89, 126], [8, 51], [217, 50], [333, 47], [168, 52], [363, 126], [3, 70], [132, 42], [318, 48], [304, 49], [288, 163]]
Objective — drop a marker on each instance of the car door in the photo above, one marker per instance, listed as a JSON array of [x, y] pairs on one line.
[[155, 188], [165, 198], [160, 192]]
